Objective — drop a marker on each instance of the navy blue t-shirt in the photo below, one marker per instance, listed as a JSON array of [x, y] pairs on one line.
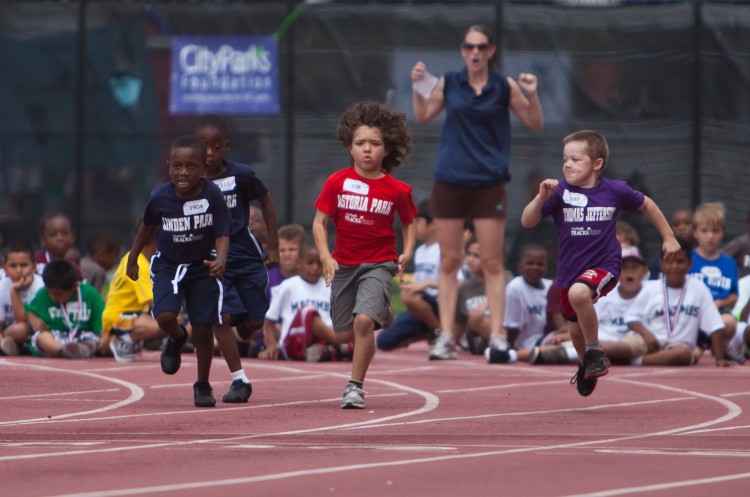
[[240, 186], [475, 143], [189, 227]]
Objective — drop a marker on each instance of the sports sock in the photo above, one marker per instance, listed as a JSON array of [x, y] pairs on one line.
[[240, 375], [637, 361], [125, 337], [358, 384], [593, 345]]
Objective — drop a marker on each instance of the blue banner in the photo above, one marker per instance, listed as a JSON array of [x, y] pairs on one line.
[[224, 75]]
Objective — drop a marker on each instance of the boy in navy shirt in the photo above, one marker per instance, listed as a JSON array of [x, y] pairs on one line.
[[194, 221]]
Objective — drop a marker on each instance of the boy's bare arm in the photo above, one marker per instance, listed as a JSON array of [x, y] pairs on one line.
[[144, 233], [410, 242], [36, 322], [320, 235], [271, 340], [269, 216], [216, 267], [656, 217], [532, 213]]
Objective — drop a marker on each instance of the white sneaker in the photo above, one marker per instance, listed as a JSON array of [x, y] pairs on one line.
[[122, 350], [444, 348], [354, 398]]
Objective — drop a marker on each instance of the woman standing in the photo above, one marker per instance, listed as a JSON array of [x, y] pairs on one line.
[[471, 172]]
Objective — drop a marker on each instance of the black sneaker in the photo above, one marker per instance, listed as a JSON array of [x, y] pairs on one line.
[[595, 364], [170, 356], [203, 395], [238, 393], [585, 387]]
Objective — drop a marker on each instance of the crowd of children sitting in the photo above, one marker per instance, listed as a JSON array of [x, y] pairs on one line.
[[52, 305]]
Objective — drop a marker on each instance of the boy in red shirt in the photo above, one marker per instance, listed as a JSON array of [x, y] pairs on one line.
[[362, 201]]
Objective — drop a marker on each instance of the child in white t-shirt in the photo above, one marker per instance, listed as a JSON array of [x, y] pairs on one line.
[[668, 313], [17, 289], [298, 322]]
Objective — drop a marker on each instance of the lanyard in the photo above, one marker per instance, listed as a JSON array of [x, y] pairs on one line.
[[672, 321], [63, 307]]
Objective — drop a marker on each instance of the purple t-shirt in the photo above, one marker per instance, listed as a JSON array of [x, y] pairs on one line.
[[585, 219]]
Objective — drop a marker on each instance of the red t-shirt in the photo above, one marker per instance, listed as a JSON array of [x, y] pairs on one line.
[[363, 211]]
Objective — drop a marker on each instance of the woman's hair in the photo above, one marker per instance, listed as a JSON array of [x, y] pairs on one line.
[[392, 126], [486, 31]]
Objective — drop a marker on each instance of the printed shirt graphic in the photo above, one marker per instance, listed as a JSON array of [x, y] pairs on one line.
[[240, 186], [697, 312], [427, 265], [189, 228], [721, 275], [363, 211], [292, 295], [6, 309], [51, 313], [611, 312], [525, 310], [585, 219]]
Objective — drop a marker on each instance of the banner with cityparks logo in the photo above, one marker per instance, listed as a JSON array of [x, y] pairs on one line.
[[224, 75]]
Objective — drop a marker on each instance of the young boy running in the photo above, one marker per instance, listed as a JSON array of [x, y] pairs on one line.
[[585, 206], [192, 220], [362, 200], [245, 277]]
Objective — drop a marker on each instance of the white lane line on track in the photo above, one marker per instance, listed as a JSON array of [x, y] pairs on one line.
[[431, 402], [200, 411], [136, 392], [666, 486], [733, 411], [60, 394], [677, 452]]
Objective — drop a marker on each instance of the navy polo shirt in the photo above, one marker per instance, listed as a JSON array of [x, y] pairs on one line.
[[475, 143]]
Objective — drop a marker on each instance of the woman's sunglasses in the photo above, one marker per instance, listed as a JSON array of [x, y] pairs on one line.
[[469, 47]]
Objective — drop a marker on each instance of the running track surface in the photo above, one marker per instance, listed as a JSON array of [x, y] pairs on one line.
[[99, 428]]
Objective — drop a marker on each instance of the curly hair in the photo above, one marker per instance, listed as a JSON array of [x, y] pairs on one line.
[[392, 126]]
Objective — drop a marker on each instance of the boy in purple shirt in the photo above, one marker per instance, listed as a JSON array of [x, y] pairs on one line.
[[585, 207]]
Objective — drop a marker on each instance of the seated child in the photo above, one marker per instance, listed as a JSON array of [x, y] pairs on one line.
[[66, 314], [102, 252], [56, 237], [526, 302], [17, 290], [127, 321], [420, 319], [298, 323], [669, 313]]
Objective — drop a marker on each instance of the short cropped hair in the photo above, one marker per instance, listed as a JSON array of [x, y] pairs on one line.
[[712, 214], [292, 233], [190, 141], [18, 247], [211, 121], [60, 274], [596, 143], [52, 215]]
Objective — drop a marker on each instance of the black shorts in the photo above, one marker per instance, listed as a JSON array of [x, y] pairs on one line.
[[455, 201]]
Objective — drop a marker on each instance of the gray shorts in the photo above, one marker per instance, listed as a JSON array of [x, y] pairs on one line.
[[361, 289]]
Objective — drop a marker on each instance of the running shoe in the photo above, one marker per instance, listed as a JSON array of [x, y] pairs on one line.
[[122, 351], [353, 398], [497, 352], [203, 395], [239, 392], [170, 355], [584, 386], [444, 348], [595, 363]]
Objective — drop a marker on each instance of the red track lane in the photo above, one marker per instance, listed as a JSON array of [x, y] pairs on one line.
[[99, 428]]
